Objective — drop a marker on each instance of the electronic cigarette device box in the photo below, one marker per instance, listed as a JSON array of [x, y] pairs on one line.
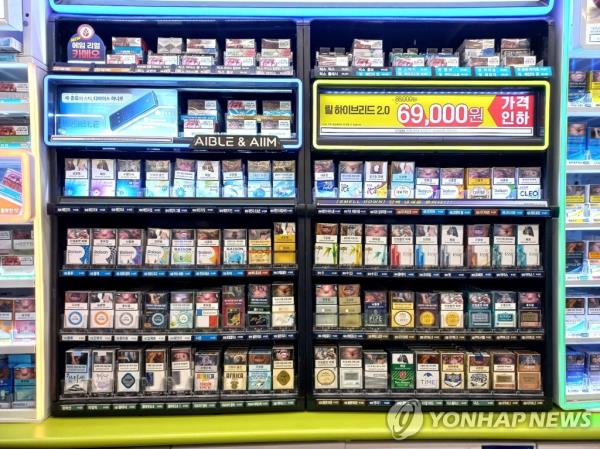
[[183, 248], [156, 312], [453, 370], [127, 310], [427, 310], [158, 247], [235, 369], [505, 310], [452, 180], [260, 247], [351, 244], [402, 251], [206, 372], [326, 368], [326, 244], [283, 368], [129, 178], [426, 248], [208, 247], [351, 367], [235, 247], [76, 310], [208, 179], [376, 179], [182, 367], [529, 370], [181, 310], [104, 247], [504, 183], [376, 369], [504, 252], [259, 306], [259, 179], [402, 180], [260, 369], [452, 252], [207, 309], [375, 309], [528, 246], [103, 178], [349, 308], [233, 179], [451, 310], [283, 309], [77, 372], [284, 235], [478, 246], [234, 307], [130, 243], [479, 309], [284, 179], [427, 370], [504, 370], [376, 245], [77, 177], [103, 371], [530, 310], [402, 309], [101, 310], [156, 370], [184, 179], [324, 173], [402, 370], [326, 306], [478, 371], [158, 178], [351, 179], [128, 371]]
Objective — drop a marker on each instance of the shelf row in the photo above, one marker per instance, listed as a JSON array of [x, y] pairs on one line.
[[137, 336]]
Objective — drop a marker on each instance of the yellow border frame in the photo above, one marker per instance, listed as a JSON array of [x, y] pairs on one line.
[[440, 83]]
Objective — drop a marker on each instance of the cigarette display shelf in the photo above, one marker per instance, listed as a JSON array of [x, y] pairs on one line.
[[426, 335], [463, 73], [233, 272], [427, 273]]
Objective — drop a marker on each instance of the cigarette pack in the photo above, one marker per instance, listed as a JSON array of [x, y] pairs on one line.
[[128, 45], [402, 370], [235, 249], [240, 43], [285, 243], [128, 371], [274, 126], [104, 247], [156, 371], [427, 310], [284, 179], [156, 313], [283, 368], [478, 246], [376, 369], [402, 251], [77, 372], [504, 367], [593, 142], [351, 179], [479, 310], [402, 180], [576, 140], [206, 372], [402, 309], [103, 369], [183, 250], [204, 124], [427, 185], [479, 183], [198, 60], [158, 179], [234, 307], [181, 310], [283, 309], [236, 58], [443, 60], [575, 321], [326, 305], [184, 178], [78, 249], [260, 247], [376, 179], [326, 244], [593, 368], [529, 180], [127, 310], [452, 252], [576, 194], [529, 370], [169, 45], [427, 370], [233, 179], [6, 320], [375, 308], [131, 247], [77, 177], [129, 184], [123, 59], [528, 246], [182, 379], [6, 382], [102, 305], [351, 367], [592, 310], [324, 173], [376, 245], [426, 248], [326, 368], [208, 247], [259, 179], [576, 372], [504, 183], [451, 310], [208, 184], [76, 310], [349, 308], [505, 309], [158, 247], [24, 315], [530, 310], [259, 370], [575, 257], [235, 369], [207, 309], [103, 177], [22, 240], [452, 182], [351, 247], [154, 59], [259, 306], [453, 370], [202, 46], [504, 252], [478, 371]]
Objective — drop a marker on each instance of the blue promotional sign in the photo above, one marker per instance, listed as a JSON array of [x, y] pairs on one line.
[[86, 46]]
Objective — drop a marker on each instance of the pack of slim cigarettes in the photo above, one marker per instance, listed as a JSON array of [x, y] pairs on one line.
[[367, 53]]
